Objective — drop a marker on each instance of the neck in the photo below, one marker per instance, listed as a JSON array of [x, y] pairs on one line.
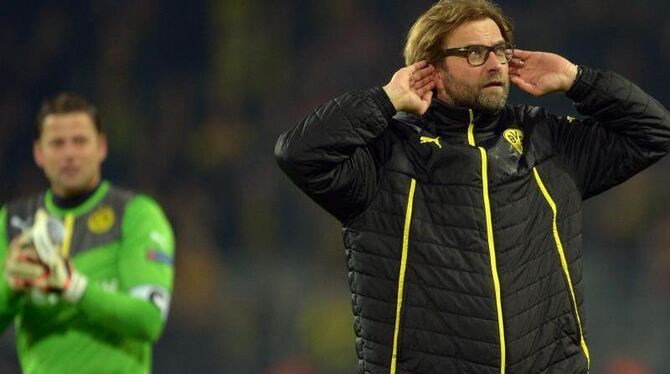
[[449, 120], [71, 201]]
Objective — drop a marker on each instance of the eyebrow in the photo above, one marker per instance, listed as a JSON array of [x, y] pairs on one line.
[[480, 43]]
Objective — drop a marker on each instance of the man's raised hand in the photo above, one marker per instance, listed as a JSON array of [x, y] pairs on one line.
[[23, 268], [541, 73], [411, 88]]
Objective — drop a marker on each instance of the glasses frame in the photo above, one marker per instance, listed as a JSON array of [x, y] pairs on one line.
[[465, 52]]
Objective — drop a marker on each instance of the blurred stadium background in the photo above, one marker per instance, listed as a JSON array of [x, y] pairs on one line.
[[193, 95]]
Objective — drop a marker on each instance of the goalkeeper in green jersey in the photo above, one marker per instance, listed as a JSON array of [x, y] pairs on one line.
[[88, 267]]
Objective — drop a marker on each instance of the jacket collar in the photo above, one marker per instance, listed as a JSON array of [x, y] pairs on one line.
[[449, 120]]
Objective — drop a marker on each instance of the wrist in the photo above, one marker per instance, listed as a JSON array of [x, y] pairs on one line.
[[574, 73], [393, 97], [381, 98]]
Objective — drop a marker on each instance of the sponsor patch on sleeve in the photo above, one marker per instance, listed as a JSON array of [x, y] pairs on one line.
[[159, 256]]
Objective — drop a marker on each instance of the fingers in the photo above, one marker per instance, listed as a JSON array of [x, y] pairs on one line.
[[524, 86], [516, 80], [24, 271], [417, 66], [426, 81], [23, 267], [522, 54], [517, 62], [519, 66], [520, 59], [421, 73], [423, 80], [515, 71], [421, 92], [410, 88]]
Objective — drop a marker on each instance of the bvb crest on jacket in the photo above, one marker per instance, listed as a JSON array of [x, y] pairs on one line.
[[515, 138]]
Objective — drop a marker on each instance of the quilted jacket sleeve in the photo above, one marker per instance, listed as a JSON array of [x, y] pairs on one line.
[[334, 154], [625, 131]]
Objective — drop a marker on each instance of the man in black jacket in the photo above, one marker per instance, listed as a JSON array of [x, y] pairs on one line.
[[462, 214]]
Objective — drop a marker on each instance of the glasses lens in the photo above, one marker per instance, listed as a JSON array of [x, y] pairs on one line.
[[503, 52], [477, 54]]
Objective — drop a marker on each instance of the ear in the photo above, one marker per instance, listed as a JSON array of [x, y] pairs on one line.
[[440, 85], [439, 77], [38, 156], [102, 147]]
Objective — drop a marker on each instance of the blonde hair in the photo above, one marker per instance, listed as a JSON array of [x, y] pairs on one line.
[[425, 38]]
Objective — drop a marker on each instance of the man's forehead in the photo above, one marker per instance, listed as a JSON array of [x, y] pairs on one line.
[[64, 125], [483, 31], [68, 120]]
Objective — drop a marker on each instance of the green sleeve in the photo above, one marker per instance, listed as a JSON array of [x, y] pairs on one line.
[[8, 298], [139, 307], [121, 314]]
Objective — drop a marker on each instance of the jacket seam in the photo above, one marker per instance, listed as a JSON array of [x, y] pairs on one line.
[[421, 241], [484, 275]]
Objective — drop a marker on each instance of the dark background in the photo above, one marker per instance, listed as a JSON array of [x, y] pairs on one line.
[[193, 95]]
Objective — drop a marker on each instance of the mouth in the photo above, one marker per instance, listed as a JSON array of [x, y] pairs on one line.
[[70, 170], [493, 84]]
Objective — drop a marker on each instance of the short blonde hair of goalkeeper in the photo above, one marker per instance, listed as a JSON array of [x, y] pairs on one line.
[[426, 38]]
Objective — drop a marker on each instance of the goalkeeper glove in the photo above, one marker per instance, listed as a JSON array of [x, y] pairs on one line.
[[47, 235], [23, 268]]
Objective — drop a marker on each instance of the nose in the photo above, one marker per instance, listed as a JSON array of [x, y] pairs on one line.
[[69, 149], [493, 62]]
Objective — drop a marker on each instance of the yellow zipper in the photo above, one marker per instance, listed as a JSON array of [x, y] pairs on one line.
[[564, 262], [401, 274], [491, 244]]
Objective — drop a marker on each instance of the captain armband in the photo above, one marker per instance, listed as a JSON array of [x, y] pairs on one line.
[[155, 294]]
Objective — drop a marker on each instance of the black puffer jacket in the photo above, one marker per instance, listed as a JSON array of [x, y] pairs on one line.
[[463, 231]]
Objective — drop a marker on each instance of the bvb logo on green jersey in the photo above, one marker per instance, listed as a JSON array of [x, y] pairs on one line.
[[101, 220]]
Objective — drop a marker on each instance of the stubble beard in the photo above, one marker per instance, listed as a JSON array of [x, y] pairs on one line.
[[472, 95]]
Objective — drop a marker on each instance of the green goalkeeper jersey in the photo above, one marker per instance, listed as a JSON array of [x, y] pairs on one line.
[[124, 245]]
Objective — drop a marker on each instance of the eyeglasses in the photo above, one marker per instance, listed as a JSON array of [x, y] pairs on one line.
[[477, 55]]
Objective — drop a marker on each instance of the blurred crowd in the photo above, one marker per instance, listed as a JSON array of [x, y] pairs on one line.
[[193, 96]]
